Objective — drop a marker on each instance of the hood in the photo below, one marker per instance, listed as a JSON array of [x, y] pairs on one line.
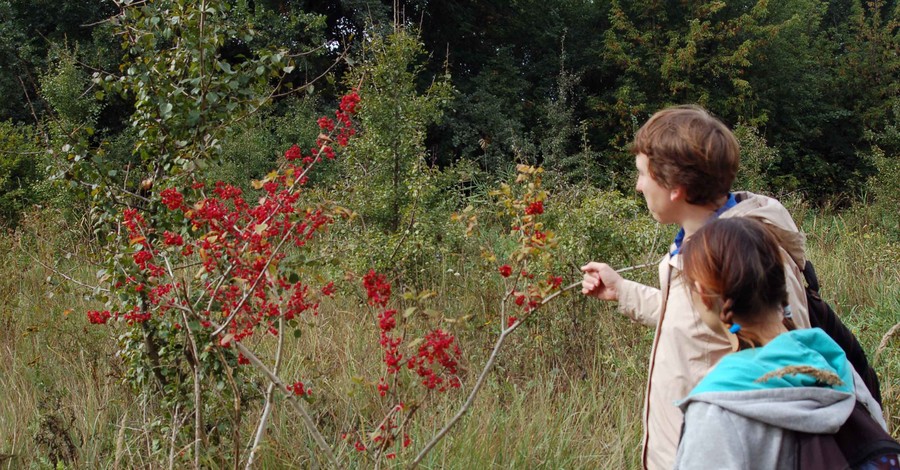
[[795, 401], [776, 217]]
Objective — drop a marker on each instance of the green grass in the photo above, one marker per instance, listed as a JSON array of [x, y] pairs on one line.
[[566, 392]]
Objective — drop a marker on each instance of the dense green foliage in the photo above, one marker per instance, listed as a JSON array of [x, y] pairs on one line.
[[20, 157], [566, 84]]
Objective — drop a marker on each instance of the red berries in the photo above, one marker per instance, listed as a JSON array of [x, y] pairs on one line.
[[378, 291], [97, 317], [230, 238], [298, 389], [535, 208], [171, 198]]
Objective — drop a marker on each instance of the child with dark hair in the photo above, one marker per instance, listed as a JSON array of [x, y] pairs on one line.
[[686, 161], [750, 409]]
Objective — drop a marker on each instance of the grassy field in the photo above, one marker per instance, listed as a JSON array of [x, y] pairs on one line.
[[566, 392]]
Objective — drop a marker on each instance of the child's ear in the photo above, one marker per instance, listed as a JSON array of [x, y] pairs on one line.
[[726, 315], [708, 300], [677, 193]]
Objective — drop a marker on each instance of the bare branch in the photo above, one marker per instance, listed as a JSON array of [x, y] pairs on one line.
[[489, 365], [293, 401], [267, 409], [62, 274]]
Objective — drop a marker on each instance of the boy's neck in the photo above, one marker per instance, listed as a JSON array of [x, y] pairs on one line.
[[696, 216]]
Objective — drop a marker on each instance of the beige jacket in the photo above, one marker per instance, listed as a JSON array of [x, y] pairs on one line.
[[684, 347]]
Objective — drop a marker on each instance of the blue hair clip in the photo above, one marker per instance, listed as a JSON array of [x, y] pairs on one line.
[[787, 312], [734, 328]]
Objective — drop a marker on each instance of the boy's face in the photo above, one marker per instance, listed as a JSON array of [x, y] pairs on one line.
[[660, 201]]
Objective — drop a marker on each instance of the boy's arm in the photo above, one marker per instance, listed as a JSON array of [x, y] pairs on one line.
[[639, 302]]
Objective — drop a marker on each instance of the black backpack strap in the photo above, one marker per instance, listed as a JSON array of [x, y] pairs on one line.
[[821, 315], [809, 273]]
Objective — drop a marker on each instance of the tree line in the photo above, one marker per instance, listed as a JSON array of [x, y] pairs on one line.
[[562, 84]]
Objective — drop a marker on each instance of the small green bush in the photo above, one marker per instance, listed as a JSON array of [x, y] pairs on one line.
[[606, 226], [20, 154], [757, 159]]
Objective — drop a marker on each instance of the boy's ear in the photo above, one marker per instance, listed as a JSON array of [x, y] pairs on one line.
[[677, 193]]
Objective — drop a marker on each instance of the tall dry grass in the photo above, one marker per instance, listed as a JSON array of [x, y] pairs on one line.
[[566, 393]]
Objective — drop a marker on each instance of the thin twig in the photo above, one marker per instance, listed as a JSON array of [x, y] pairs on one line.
[[481, 378], [639, 266], [294, 402], [60, 273], [490, 364], [37, 121], [199, 431], [236, 426], [267, 409], [175, 427], [198, 395]]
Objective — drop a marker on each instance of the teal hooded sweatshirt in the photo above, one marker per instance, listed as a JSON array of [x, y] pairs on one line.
[[735, 420]]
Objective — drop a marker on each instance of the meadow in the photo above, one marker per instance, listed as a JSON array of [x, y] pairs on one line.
[[566, 391]]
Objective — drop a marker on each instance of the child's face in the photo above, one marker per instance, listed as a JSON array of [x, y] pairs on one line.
[[659, 199]]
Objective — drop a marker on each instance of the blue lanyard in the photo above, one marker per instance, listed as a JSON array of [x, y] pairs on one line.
[[679, 237]]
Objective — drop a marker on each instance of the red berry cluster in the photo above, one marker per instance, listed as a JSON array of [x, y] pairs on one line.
[[235, 242], [378, 290], [298, 389], [436, 361], [535, 208], [97, 317]]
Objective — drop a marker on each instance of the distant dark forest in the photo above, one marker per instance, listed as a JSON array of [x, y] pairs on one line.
[[560, 83]]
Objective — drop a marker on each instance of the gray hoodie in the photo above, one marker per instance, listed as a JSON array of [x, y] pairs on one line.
[[732, 421]]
